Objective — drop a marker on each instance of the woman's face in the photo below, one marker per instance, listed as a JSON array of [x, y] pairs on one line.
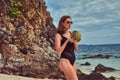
[[67, 23]]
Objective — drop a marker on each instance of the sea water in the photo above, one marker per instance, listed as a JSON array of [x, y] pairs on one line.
[[108, 49]]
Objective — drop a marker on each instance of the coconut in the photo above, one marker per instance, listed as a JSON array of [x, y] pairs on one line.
[[76, 35]]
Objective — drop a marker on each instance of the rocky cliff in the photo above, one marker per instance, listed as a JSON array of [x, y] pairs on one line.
[[27, 39]]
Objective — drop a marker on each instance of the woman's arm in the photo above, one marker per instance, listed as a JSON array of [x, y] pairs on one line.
[[75, 46], [58, 46]]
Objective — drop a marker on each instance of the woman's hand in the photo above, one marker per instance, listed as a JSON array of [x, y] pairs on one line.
[[75, 43], [72, 40]]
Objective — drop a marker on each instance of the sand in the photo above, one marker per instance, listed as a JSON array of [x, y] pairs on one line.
[[13, 77]]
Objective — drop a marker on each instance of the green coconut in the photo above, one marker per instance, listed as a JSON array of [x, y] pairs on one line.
[[76, 35]]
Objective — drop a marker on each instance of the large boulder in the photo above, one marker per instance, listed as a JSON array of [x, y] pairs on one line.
[[94, 76], [101, 68]]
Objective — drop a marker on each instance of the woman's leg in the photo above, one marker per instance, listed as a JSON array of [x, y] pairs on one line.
[[74, 66], [68, 69]]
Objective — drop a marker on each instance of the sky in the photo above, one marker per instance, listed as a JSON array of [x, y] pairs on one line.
[[98, 21]]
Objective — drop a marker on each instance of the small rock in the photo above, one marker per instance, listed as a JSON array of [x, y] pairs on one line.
[[86, 64]]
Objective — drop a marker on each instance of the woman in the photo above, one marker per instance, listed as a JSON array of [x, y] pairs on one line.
[[65, 47]]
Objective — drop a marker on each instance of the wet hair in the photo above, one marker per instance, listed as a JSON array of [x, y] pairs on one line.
[[61, 29]]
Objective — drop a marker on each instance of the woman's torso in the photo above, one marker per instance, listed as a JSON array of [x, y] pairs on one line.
[[68, 52]]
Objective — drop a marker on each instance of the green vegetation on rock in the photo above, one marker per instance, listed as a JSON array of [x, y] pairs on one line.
[[13, 9]]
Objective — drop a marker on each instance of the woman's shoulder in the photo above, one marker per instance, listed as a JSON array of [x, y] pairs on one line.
[[58, 35]]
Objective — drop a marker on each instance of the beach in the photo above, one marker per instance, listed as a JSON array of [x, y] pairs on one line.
[[113, 63], [97, 55], [13, 77]]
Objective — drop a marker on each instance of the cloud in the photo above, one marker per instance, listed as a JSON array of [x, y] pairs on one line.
[[87, 13], [117, 29], [98, 18]]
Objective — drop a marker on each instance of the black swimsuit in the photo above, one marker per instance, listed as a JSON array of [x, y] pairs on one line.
[[68, 52]]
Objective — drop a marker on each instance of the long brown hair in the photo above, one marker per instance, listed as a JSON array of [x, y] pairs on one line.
[[61, 29]]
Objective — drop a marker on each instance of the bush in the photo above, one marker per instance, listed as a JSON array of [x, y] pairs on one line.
[[13, 9]]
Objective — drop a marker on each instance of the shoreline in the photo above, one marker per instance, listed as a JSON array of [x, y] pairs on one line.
[[16, 77], [115, 74], [111, 62]]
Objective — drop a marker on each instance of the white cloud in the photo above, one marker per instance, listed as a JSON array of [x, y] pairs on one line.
[[87, 21], [103, 33], [90, 12], [117, 28]]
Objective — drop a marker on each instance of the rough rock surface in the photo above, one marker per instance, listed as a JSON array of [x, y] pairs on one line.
[[95, 76], [86, 64], [101, 68], [98, 56], [26, 42]]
